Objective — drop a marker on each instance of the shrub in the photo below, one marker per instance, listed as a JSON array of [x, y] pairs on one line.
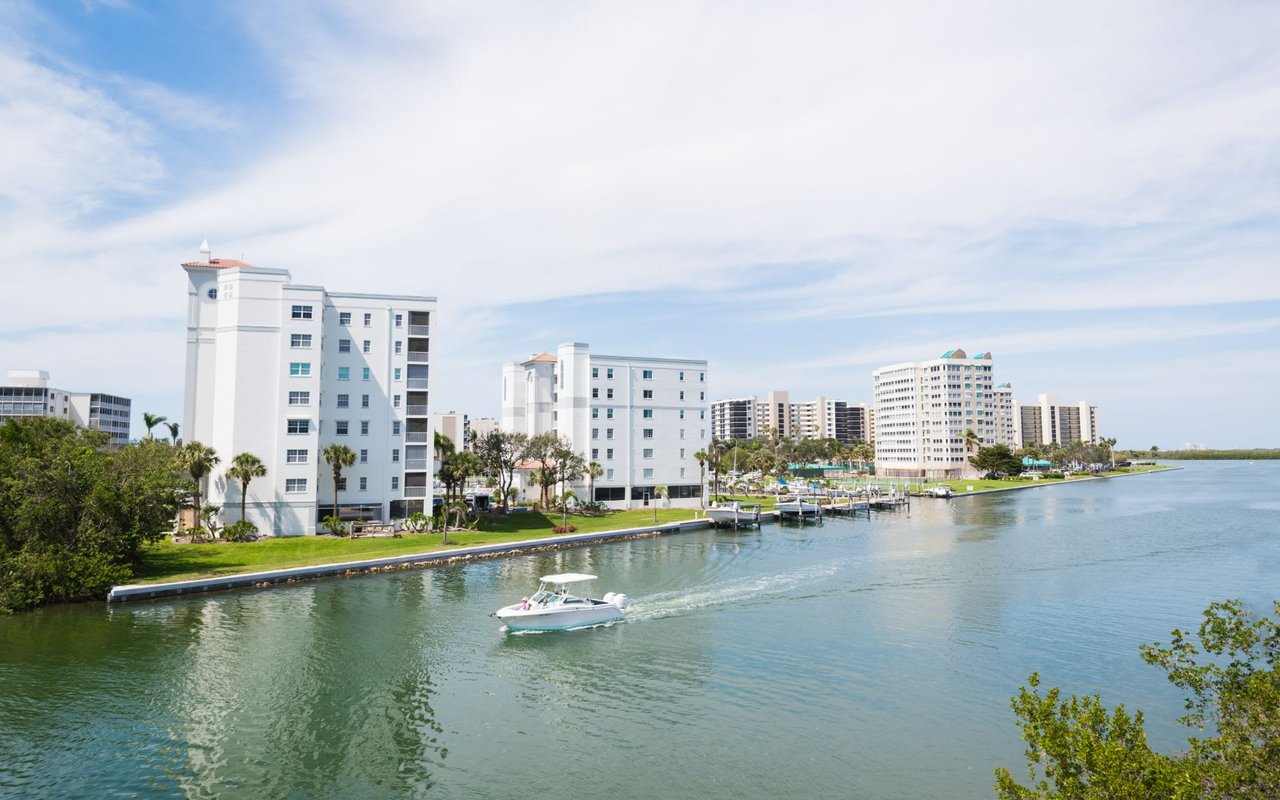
[[565, 529], [242, 531], [1053, 475], [334, 525]]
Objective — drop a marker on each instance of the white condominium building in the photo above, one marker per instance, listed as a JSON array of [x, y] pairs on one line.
[[642, 419], [924, 408], [1006, 426], [30, 395], [282, 370], [734, 418], [1050, 422]]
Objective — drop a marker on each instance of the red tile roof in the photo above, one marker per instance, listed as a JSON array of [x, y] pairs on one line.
[[542, 358], [218, 263]]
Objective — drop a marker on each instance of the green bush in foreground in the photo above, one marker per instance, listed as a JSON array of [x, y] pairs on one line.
[[1078, 749], [76, 512]]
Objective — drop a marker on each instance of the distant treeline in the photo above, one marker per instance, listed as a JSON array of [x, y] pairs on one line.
[[1215, 455]]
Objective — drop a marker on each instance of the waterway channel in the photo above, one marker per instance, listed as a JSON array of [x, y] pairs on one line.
[[864, 658]]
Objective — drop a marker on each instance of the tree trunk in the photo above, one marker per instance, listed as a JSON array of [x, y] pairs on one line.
[[244, 490]]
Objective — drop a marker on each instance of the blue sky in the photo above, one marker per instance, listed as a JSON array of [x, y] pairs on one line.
[[797, 192]]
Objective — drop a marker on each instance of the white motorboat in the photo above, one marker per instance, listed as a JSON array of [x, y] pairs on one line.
[[941, 490], [563, 602], [734, 513], [801, 507]]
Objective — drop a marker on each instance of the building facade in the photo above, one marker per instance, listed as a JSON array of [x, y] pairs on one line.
[[734, 418], [1049, 422], [923, 410], [1006, 422], [282, 370], [30, 395], [641, 419], [480, 428], [455, 427], [821, 418]]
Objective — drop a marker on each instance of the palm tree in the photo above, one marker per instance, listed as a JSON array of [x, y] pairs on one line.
[[151, 420], [702, 459], [338, 456], [594, 470], [244, 468], [198, 459], [173, 433]]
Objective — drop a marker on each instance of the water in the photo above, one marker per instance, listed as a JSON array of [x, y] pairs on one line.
[[861, 659]]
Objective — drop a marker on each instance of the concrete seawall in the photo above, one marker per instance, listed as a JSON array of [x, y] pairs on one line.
[[149, 591]]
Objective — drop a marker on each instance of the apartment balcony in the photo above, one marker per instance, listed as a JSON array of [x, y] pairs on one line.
[[419, 330], [418, 357], [416, 411], [417, 437], [417, 383], [416, 464], [415, 491]]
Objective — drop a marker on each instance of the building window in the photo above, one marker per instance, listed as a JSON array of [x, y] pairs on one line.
[[299, 398], [364, 456], [366, 346], [608, 474], [295, 456], [364, 484], [344, 373], [365, 374], [340, 427], [608, 433], [299, 369], [396, 374], [608, 373], [364, 401], [647, 413], [702, 377], [682, 413], [299, 426], [608, 454], [395, 456], [213, 293], [682, 452], [595, 454], [399, 347], [608, 413], [702, 395], [682, 472], [302, 312], [702, 413], [344, 318], [608, 394], [395, 483], [342, 484], [295, 485], [648, 433], [647, 394], [368, 320], [682, 395], [595, 433], [299, 340], [344, 345], [595, 413], [595, 394], [682, 433], [647, 374], [681, 376], [399, 320], [344, 400], [364, 427], [395, 428], [395, 401], [648, 473], [648, 452], [595, 372]]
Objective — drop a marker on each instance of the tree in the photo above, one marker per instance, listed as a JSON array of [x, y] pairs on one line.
[[542, 448], [150, 421], [444, 446], [1154, 452], [198, 459], [338, 456], [173, 433], [702, 458], [594, 470], [500, 452], [455, 469], [569, 466], [1076, 748], [244, 468], [996, 458]]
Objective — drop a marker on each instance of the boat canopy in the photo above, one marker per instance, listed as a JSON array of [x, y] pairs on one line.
[[568, 577]]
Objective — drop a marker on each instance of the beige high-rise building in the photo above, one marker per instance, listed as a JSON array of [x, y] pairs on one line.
[[821, 418], [923, 410], [1049, 422]]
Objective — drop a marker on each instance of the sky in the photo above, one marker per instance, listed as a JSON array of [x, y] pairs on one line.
[[798, 192]]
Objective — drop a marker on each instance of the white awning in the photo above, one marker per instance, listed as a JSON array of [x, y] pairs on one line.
[[568, 577]]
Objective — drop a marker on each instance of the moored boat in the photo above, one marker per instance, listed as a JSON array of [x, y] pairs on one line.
[[734, 513], [801, 507], [563, 602]]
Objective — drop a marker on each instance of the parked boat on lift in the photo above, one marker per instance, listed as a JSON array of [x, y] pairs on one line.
[[734, 513]]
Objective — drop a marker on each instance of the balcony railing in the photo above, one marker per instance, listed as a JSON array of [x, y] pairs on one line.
[[416, 411], [419, 356], [417, 383], [415, 491], [419, 330], [421, 437], [415, 464]]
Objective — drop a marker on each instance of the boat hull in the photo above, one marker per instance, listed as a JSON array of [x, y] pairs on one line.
[[559, 618], [734, 516]]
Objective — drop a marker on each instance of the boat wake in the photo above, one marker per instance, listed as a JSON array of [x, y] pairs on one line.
[[725, 593]]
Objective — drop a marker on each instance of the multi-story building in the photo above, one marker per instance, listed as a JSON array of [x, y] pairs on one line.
[[1006, 423], [30, 395], [822, 418], [480, 428], [455, 427], [1050, 422], [923, 410], [642, 419], [282, 370]]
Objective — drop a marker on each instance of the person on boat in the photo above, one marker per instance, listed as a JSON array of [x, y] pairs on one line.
[[524, 604]]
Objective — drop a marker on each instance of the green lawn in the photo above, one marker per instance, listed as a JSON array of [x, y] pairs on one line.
[[961, 486], [166, 561]]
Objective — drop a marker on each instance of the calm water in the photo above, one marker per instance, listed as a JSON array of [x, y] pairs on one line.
[[863, 659]]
